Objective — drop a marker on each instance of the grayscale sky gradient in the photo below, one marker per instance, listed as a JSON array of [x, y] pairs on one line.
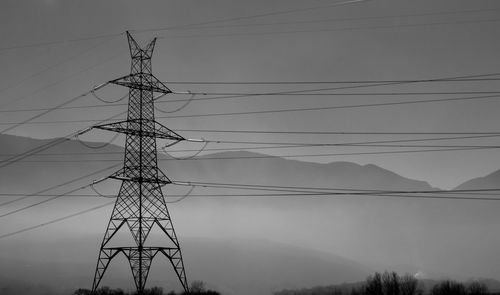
[[52, 51], [355, 47]]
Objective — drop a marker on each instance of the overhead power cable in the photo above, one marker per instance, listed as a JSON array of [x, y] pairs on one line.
[[474, 77], [238, 18], [76, 196], [307, 93], [341, 191], [274, 145], [334, 132], [72, 57], [334, 20], [205, 158], [56, 141], [35, 150], [330, 82], [325, 194], [45, 146], [58, 185], [18, 99], [55, 42], [51, 109], [250, 195], [281, 145], [48, 43], [369, 84], [49, 199], [99, 146], [358, 143], [108, 101], [259, 195], [50, 144], [324, 30], [230, 96], [438, 100], [265, 156], [56, 220]]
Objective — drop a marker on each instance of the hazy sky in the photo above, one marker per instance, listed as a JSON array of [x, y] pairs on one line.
[[370, 40], [312, 41]]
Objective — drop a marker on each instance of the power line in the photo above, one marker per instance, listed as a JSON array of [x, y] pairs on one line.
[[349, 19], [474, 77], [306, 93], [289, 195], [399, 26], [52, 143], [58, 82], [390, 83], [361, 143], [288, 93], [274, 145], [43, 202], [265, 156], [34, 150], [48, 43], [370, 84], [258, 195], [333, 132], [332, 154], [58, 185], [229, 95], [55, 220], [327, 82], [282, 110], [48, 145], [341, 191], [19, 82], [380, 143], [333, 107], [62, 108], [51, 109], [281, 145], [232, 19], [248, 95], [76, 196], [244, 149]]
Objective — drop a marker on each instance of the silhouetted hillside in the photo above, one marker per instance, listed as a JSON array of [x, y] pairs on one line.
[[490, 181], [408, 235], [231, 266]]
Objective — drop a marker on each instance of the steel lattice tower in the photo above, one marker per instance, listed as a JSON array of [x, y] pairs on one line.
[[140, 204]]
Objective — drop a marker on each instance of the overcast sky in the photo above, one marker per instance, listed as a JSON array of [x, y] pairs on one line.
[[367, 40], [52, 51]]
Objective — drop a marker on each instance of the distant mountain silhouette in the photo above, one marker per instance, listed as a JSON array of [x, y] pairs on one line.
[[432, 236], [231, 266], [489, 181], [277, 170], [227, 167]]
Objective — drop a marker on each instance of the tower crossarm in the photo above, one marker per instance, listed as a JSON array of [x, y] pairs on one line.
[[148, 82], [126, 172], [135, 127]]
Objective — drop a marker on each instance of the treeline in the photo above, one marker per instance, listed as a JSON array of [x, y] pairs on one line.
[[390, 283], [197, 287], [451, 287]]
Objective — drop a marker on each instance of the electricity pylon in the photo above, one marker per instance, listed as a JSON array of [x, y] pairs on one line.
[[140, 204]]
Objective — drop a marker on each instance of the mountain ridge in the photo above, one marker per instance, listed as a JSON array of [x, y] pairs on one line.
[[402, 234]]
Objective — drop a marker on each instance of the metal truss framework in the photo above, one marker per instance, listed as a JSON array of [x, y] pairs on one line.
[[140, 204]]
